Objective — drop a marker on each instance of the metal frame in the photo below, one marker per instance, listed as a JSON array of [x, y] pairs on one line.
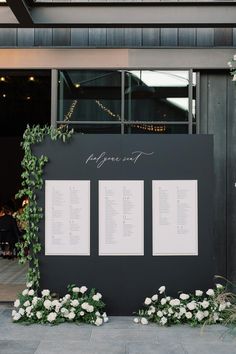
[[117, 14], [127, 123]]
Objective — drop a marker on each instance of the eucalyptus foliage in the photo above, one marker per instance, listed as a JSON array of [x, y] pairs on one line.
[[32, 182]]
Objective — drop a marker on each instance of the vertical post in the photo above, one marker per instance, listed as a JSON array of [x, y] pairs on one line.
[[122, 100], [198, 103], [190, 102], [54, 79]]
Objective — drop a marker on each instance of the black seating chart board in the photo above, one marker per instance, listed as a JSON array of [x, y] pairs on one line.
[[127, 214]]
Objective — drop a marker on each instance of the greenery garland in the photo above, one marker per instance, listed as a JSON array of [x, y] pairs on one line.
[[32, 182]]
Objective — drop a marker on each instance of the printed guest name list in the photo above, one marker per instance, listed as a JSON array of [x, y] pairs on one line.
[[67, 217], [121, 226]]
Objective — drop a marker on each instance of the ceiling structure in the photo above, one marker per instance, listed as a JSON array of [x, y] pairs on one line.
[[33, 14]]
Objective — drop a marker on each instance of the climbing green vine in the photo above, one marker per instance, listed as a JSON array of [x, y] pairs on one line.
[[32, 182]]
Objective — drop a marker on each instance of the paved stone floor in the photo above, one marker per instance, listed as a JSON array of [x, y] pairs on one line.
[[119, 336]]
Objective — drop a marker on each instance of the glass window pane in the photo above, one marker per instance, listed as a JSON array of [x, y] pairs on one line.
[[156, 95], [95, 128], [156, 129], [89, 95]]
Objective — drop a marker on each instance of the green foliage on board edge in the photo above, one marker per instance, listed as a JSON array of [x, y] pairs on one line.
[[32, 182]]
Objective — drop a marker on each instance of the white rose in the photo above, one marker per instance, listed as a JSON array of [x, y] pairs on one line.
[[13, 313], [219, 286], [152, 309], [147, 301], [206, 313], [17, 303], [67, 297], [162, 289], [35, 300], [174, 302], [191, 305], [182, 310], [85, 305], [75, 289], [184, 296], [71, 315], [45, 292], [21, 311], [99, 295], [47, 304], [198, 292], [163, 301], [95, 297], [159, 313], [29, 284], [205, 304], [74, 303], [51, 317], [168, 298], [31, 292], [83, 289], [105, 319], [210, 292], [98, 321], [90, 308], [64, 311], [154, 297], [17, 317], [163, 321], [25, 292], [222, 306], [56, 303], [199, 315], [39, 315], [81, 313], [188, 315], [170, 311], [28, 309], [144, 321], [26, 303]]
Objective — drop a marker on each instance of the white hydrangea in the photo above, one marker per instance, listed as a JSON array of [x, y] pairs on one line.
[[174, 302], [71, 315], [205, 304], [52, 317], [182, 310], [170, 311], [25, 292], [191, 305], [199, 315], [188, 315], [26, 303], [74, 303], [98, 321], [163, 321], [47, 304], [35, 300], [45, 292], [184, 296], [159, 313], [198, 292], [85, 305], [31, 292], [28, 309], [96, 297], [90, 308]]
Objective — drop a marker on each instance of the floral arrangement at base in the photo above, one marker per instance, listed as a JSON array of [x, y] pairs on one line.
[[210, 307], [76, 306]]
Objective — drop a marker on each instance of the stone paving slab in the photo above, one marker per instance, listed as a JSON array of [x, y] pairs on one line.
[[119, 336]]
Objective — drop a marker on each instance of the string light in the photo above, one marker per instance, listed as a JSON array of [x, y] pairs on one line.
[[31, 78], [2, 78]]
